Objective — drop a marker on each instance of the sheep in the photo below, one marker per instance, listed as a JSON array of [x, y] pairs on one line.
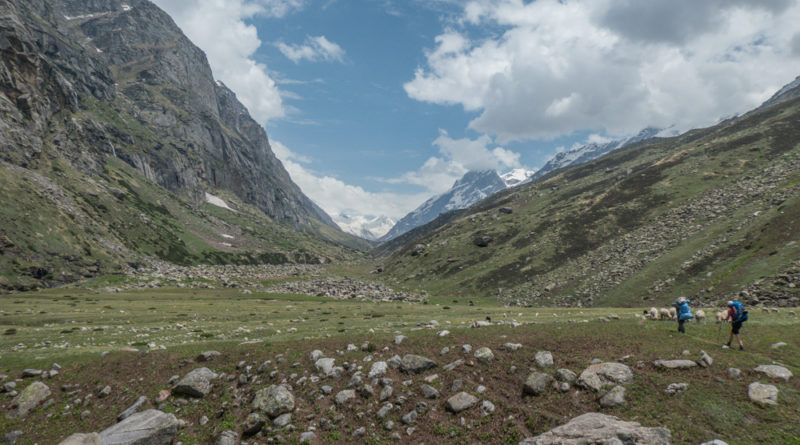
[[673, 313], [721, 316], [664, 314], [652, 314], [480, 324], [699, 315]]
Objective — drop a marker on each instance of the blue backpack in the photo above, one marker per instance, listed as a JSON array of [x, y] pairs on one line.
[[739, 312]]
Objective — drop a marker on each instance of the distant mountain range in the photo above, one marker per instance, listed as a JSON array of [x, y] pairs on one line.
[[367, 227]]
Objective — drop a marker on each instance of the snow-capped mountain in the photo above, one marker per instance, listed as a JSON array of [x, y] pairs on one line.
[[790, 91], [367, 227], [471, 188], [586, 153], [517, 176]]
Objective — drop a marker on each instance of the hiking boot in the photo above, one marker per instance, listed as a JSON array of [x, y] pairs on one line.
[[741, 348]]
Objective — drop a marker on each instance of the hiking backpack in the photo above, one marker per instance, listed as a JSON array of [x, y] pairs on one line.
[[739, 312]]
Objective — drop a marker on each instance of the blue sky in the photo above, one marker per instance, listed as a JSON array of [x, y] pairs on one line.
[[375, 105]]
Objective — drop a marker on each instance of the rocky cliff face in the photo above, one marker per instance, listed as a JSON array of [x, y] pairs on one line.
[[86, 80]]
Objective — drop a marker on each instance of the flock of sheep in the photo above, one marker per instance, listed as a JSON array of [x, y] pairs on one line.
[[672, 314]]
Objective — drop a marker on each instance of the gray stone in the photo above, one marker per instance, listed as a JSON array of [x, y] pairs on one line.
[[394, 362], [512, 346], [763, 394], [565, 375], [675, 388], [82, 439], [253, 424], [399, 339], [460, 402], [326, 366], [104, 392], [131, 410], [385, 394], [11, 437], [613, 398], [429, 392], [484, 355], [734, 372], [208, 356], [774, 371], [31, 373], [273, 401], [30, 398], [444, 351], [415, 364], [600, 375], [715, 442], [326, 389], [410, 418], [466, 349], [674, 364], [544, 359], [282, 420], [536, 383], [596, 428], [454, 365], [378, 369], [151, 427], [307, 436], [389, 425], [366, 391], [196, 383], [384, 411], [487, 407], [359, 432], [227, 438], [778, 345], [315, 355], [705, 360], [345, 396]]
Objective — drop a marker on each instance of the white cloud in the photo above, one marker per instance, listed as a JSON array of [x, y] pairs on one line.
[[457, 157], [618, 66], [335, 196], [314, 49], [231, 45]]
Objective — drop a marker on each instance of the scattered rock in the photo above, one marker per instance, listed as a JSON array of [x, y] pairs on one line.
[[132, 409], [613, 398], [415, 364], [705, 360], [484, 355], [307, 436], [565, 375], [774, 371], [378, 369], [196, 383], [487, 407], [466, 349], [599, 375], [282, 420], [599, 428], [429, 392], [273, 401], [399, 339], [675, 388], [674, 364], [780, 344], [254, 423], [31, 397], [536, 383], [763, 394], [31, 373], [315, 355], [512, 346], [326, 366], [227, 438], [344, 396], [460, 402], [734, 372], [151, 427], [482, 241], [410, 418], [207, 356], [544, 359]]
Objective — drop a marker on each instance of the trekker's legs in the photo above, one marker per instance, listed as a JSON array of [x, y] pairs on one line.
[[681, 329]]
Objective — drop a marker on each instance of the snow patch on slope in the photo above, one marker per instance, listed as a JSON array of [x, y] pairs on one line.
[[217, 201]]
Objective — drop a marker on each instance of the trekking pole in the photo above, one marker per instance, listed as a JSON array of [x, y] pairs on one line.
[[719, 331]]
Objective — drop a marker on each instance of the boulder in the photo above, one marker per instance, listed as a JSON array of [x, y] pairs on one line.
[[600, 375], [461, 402], [344, 396], [378, 369], [31, 397], [414, 364], [82, 439], [599, 428], [565, 375], [326, 366], [484, 355], [674, 364], [208, 356], [253, 424], [131, 410], [151, 427], [705, 360], [429, 392], [536, 384], [227, 438], [273, 401], [774, 371], [763, 394], [196, 383]]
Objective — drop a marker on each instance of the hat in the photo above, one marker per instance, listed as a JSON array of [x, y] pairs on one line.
[[681, 299], [730, 303]]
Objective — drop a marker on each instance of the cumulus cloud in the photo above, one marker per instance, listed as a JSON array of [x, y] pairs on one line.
[[457, 157], [557, 67], [230, 47], [336, 197], [314, 49]]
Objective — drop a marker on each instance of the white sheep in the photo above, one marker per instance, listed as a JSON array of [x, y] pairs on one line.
[[721, 316], [652, 313], [664, 314], [699, 315], [673, 313]]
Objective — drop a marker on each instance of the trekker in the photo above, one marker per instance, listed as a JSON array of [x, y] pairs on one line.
[[684, 313], [737, 315]]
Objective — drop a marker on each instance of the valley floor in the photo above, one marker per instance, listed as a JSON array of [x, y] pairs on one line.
[[133, 340]]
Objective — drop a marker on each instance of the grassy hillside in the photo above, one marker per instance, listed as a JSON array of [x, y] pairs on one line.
[[702, 214], [59, 225]]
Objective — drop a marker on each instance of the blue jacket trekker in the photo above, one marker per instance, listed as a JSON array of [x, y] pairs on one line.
[[684, 313]]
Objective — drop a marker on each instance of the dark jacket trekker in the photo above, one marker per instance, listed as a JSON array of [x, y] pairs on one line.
[[684, 313], [737, 315]]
